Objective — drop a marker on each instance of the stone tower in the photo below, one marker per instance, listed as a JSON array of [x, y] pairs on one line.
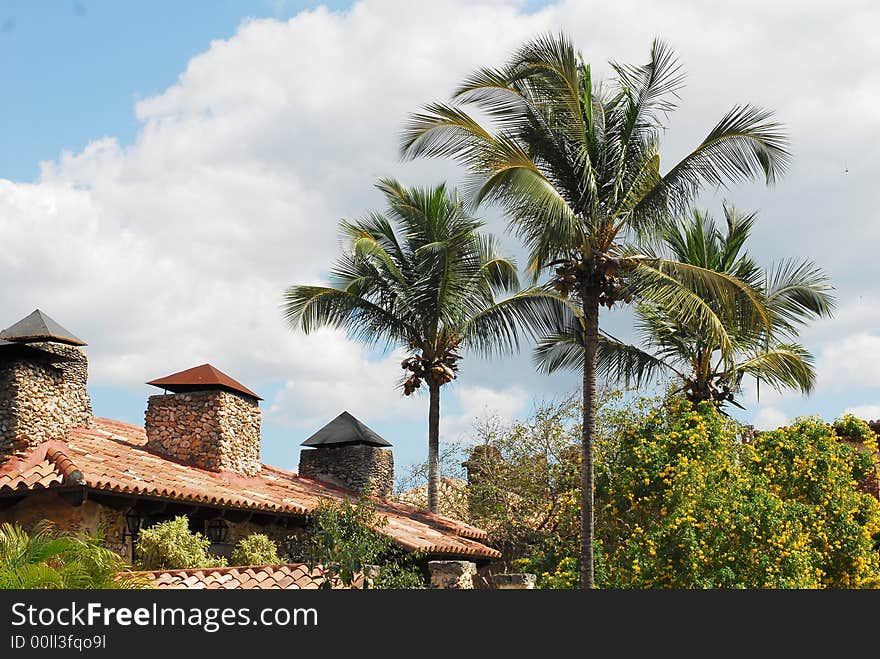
[[209, 421], [43, 377], [348, 454]]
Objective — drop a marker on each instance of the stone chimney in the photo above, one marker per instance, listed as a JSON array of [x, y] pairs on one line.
[[43, 376], [348, 454], [208, 420]]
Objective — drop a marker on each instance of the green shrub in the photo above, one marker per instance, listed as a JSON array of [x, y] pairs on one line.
[[686, 504], [171, 545], [344, 541], [854, 429], [256, 549]]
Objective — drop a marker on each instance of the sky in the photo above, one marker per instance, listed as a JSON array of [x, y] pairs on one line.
[[167, 169]]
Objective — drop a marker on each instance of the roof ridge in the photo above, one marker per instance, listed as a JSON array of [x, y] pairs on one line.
[[33, 456], [65, 466]]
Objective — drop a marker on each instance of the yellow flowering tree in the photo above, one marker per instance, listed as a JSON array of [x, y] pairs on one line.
[[685, 502]]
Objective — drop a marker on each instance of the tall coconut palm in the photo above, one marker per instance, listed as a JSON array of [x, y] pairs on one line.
[[793, 293], [423, 277], [49, 558], [576, 166]]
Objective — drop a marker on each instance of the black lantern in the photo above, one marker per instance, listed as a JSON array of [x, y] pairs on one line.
[[217, 530], [133, 522]]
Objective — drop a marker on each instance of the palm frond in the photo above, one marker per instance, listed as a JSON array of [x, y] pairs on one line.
[[746, 144], [310, 307], [784, 366], [798, 291], [497, 328]]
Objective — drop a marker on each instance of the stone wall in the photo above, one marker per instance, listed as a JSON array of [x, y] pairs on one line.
[[88, 518], [215, 430], [40, 401], [452, 575], [353, 467]]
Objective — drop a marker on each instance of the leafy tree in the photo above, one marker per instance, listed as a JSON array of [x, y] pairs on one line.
[[345, 543], [171, 545], [523, 481], [576, 166], [422, 277], [255, 549], [686, 504], [50, 558], [792, 292]]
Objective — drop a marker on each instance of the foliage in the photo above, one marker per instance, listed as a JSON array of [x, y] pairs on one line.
[[792, 292], [422, 277], [452, 497], [345, 542], [255, 549], [686, 504], [171, 545], [686, 498], [576, 166], [524, 481], [50, 558], [854, 429]]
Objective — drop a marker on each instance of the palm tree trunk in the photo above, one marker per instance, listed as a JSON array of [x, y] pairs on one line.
[[590, 300], [433, 447]]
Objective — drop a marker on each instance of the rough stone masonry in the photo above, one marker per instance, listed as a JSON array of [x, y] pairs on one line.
[[40, 401], [216, 430], [354, 467]]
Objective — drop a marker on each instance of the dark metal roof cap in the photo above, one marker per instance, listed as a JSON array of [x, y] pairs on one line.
[[39, 327], [345, 429], [201, 378]]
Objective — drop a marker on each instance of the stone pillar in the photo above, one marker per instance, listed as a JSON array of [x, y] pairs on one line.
[[215, 430], [455, 575], [523, 581], [41, 400], [352, 466]]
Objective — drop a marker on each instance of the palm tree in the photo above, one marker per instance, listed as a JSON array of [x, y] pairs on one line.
[[576, 165], [423, 278], [793, 292], [49, 558]]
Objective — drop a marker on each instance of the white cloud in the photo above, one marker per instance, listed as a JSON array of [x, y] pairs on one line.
[[866, 412], [769, 418], [851, 361], [174, 250], [480, 403], [340, 375]]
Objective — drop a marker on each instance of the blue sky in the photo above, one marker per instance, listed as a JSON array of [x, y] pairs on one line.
[[167, 168], [73, 70]]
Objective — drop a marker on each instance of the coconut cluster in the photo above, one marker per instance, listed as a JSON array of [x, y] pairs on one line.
[[439, 370]]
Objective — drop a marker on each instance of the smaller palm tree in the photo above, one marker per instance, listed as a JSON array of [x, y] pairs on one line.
[[49, 558], [424, 278], [792, 292]]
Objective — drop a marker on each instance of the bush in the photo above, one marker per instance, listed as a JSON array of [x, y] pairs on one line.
[[344, 541], [47, 557], [687, 504], [684, 501], [171, 545], [255, 549]]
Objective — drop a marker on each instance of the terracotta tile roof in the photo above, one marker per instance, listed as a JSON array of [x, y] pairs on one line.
[[110, 457], [259, 577]]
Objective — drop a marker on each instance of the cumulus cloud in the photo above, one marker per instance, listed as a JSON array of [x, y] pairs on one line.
[[480, 403], [851, 361], [173, 251], [344, 378]]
